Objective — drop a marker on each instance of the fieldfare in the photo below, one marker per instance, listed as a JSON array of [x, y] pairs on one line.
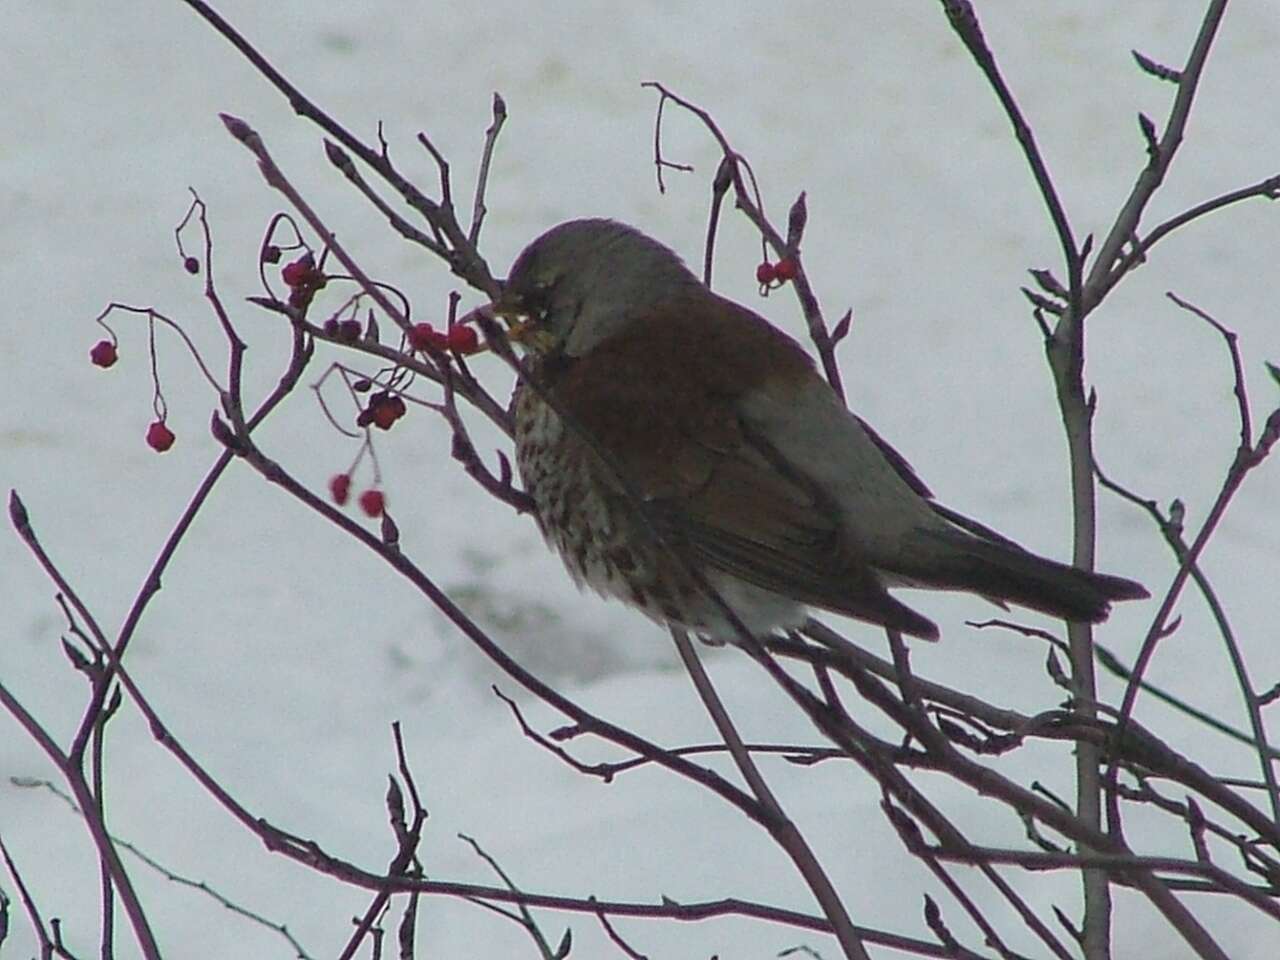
[[682, 454]]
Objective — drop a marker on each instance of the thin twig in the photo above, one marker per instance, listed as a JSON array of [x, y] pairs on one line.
[[775, 820], [107, 852], [1044, 860], [463, 259], [1268, 189], [964, 21], [1172, 533], [524, 918], [1248, 456], [909, 832], [198, 885], [478, 209], [1102, 275], [28, 902], [746, 199]]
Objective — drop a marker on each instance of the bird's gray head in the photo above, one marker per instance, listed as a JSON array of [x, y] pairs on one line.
[[582, 281]]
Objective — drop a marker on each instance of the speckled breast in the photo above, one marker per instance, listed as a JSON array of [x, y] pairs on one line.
[[589, 523]]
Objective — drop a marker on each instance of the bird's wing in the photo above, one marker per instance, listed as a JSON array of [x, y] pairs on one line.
[[754, 518], [675, 429], [897, 461]]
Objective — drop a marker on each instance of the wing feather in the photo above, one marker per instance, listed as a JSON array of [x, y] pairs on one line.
[[663, 398]]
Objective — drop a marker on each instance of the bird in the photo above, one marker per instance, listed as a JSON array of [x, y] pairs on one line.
[[684, 456]]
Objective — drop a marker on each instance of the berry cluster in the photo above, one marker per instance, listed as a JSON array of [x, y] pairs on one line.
[[303, 278], [372, 502], [159, 437], [462, 339], [769, 273]]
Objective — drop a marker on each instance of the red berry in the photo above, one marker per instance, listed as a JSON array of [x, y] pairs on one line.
[[766, 272], [423, 336], [785, 269], [331, 327], [372, 502], [299, 272], [191, 265], [350, 330], [420, 335], [464, 339], [159, 437], [385, 413], [103, 354], [340, 488]]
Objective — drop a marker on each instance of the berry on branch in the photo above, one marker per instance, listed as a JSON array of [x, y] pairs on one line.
[[372, 502], [299, 272], [159, 437], [423, 336], [340, 488], [463, 339], [103, 354]]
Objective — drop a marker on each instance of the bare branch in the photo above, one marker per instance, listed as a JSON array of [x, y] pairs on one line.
[[1101, 275], [478, 209]]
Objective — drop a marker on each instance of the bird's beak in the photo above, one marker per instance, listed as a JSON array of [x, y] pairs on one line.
[[516, 320], [521, 328]]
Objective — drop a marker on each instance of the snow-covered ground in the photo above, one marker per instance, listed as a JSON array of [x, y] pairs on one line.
[[279, 652]]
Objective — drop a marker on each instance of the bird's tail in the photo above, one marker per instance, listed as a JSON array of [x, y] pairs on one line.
[[1004, 572]]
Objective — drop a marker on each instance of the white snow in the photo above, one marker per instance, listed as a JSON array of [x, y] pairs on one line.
[[279, 652]]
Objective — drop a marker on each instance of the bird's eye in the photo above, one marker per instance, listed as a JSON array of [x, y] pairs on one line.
[[538, 300]]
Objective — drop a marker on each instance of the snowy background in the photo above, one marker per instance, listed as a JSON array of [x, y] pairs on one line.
[[279, 653]]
